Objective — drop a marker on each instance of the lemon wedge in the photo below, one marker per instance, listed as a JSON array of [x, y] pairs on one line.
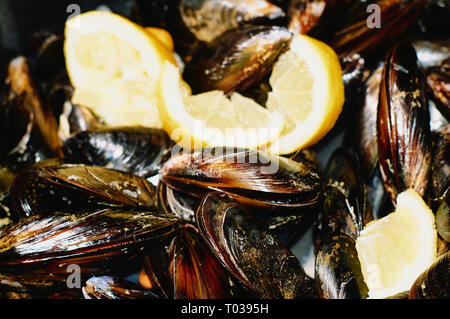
[[211, 118], [397, 248], [114, 66], [307, 87]]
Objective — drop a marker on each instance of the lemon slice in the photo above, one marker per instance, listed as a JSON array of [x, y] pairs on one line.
[[114, 66], [211, 118], [397, 248], [307, 87]]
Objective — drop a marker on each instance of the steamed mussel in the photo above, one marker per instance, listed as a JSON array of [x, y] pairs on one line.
[[404, 137], [250, 177]]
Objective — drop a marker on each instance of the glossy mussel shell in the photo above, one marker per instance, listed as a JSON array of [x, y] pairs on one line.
[[36, 251], [250, 177], [195, 271], [253, 255], [137, 150], [47, 187], [434, 282], [338, 273], [237, 59], [404, 138]]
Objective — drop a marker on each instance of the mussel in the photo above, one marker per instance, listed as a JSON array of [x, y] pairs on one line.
[[403, 124], [254, 256], [37, 251], [29, 130], [195, 271], [237, 59], [346, 209], [193, 23], [434, 282], [338, 273], [137, 150], [47, 187], [250, 177]]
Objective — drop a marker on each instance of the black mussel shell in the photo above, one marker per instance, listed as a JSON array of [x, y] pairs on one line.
[[112, 287], [250, 177], [208, 19], [438, 84], [362, 136], [22, 84], [195, 271], [254, 256], [443, 218], [236, 60], [42, 286], [346, 208], [403, 124], [434, 283], [155, 274], [338, 273], [45, 188], [137, 150], [193, 23], [440, 171], [360, 32], [92, 240], [314, 16]]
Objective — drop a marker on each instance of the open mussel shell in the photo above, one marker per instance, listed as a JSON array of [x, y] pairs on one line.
[[38, 250], [433, 282], [45, 188], [250, 177], [236, 60], [250, 253], [346, 208], [338, 273], [194, 269], [137, 150], [403, 124], [112, 287]]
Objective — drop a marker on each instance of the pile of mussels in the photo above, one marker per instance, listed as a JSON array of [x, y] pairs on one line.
[[105, 201]]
